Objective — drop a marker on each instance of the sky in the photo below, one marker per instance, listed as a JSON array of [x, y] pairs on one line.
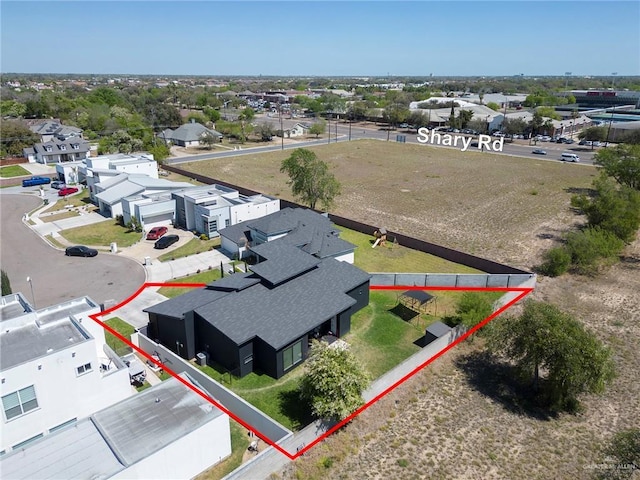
[[300, 38]]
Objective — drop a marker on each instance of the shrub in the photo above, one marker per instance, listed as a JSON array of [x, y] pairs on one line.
[[120, 220], [556, 262], [204, 237], [589, 247]]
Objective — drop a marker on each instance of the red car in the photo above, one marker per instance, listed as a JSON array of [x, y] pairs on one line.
[[156, 232], [67, 191]]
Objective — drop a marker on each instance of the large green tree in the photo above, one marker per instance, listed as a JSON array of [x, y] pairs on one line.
[[555, 352], [15, 136], [310, 178], [624, 455], [621, 163], [333, 382], [318, 128]]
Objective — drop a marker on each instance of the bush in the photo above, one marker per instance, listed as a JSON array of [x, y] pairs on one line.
[[120, 220], [556, 262], [588, 248], [204, 237]]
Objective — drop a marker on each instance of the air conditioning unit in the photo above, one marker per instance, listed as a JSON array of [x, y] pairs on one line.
[[201, 358]]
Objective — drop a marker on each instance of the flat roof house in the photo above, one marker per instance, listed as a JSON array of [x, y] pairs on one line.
[[263, 320], [165, 432], [55, 369]]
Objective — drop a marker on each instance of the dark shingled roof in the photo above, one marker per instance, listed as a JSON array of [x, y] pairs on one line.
[[283, 221], [282, 314], [283, 262], [176, 307], [235, 282], [236, 233]]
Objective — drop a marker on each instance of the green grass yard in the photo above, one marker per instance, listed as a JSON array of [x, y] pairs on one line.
[[101, 234], [122, 328], [207, 276], [239, 444], [192, 247], [13, 171]]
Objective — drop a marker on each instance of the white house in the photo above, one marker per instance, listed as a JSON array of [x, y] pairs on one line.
[[55, 368], [165, 432], [57, 151], [209, 208], [110, 194], [298, 130], [93, 170]]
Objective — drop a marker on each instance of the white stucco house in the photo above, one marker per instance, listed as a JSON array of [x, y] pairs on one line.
[[69, 411], [93, 170], [210, 208], [55, 369]]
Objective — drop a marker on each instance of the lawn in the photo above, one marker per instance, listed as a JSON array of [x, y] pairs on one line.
[[13, 171], [192, 247], [396, 258], [78, 200], [101, 234], [114, 342], [59, 216], [207, 276]]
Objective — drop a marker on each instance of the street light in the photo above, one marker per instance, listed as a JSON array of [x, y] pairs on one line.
[[32, 295], [613, 79]]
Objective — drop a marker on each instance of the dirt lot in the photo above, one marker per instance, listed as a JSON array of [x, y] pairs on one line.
[[449, 421]]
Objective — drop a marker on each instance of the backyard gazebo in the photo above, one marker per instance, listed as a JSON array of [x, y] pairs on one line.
[[417, 300]]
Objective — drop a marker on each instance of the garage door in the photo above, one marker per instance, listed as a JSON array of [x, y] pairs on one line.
[[163, 219]]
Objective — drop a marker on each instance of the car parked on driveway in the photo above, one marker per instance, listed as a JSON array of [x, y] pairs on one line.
[[156, 232], [63, 192], [57, 184], [80, 251], [166, 241], [538, 151], [30, 182]]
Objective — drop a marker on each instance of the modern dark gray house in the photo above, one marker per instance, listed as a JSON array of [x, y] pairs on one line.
[[263, 320]]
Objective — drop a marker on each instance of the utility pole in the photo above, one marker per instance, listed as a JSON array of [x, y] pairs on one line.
[[281, 128], [328, 129]]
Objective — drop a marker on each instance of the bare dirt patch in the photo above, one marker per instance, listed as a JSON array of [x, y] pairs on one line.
[[502, 208], [440, 424]]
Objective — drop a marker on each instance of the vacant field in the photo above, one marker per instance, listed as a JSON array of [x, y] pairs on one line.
[[493, 206], [448, 423]]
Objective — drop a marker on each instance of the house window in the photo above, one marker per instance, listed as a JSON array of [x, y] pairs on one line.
[[292, 355], [227, 222], [75, 146], [248, 359], [20, 402], [63, 147], [211, 226], [49, 148], [82, 369]]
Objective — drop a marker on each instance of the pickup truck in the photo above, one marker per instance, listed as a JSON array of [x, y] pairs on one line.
[[30, 182]]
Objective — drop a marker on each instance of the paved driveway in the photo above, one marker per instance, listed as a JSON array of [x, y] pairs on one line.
[[55, 277]]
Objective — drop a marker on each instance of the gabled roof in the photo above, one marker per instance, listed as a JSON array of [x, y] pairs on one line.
[[279, 315], [285, 220], [284, 262], [57, 146], [192, 132]]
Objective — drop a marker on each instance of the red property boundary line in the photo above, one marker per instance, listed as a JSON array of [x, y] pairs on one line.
[[523, 293]]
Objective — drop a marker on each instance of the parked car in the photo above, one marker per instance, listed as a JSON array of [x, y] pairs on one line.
[[156, 232], [80, 251], [30, 182], [63, 192], [57, 184], [166, 241], [538, 151]]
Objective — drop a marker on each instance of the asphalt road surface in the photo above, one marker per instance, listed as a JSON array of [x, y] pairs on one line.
[[54, 276]]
